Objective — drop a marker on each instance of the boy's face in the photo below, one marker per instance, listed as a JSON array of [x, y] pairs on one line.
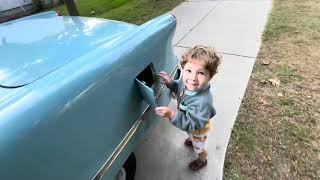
[[195, 76]]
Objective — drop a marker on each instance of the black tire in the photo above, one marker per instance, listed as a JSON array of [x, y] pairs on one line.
[[130, 167]]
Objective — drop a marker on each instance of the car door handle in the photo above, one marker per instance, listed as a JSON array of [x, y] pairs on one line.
[[146, 93], [144, 81]]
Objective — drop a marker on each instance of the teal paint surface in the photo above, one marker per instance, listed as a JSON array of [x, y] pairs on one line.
[[34, 47], [147, 94], [67, 117]]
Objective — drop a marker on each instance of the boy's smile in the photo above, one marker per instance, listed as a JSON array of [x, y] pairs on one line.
[[195, 76]]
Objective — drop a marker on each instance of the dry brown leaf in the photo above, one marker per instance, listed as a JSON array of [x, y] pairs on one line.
[[263, 82], [263, 102], [265, 62], [274, 82]]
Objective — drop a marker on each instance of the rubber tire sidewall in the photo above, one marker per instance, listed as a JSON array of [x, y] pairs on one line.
[[130, 167]]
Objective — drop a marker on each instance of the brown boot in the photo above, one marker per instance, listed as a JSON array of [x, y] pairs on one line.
[[197, 164], [200, 162], [188, 143]]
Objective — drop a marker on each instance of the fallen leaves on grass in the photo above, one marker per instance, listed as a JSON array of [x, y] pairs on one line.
[[280, 94], [263, 102], [275, 82], [265, 62], [265, 156]]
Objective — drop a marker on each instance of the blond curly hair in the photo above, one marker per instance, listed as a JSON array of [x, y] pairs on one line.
[[207, 55]]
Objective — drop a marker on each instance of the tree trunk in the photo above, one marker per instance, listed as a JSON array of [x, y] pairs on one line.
[[72, 8]]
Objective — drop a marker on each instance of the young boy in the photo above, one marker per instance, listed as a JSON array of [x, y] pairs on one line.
[[195, 105]]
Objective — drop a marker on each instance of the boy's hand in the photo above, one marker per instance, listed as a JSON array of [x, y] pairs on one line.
[[164, 111], [164, 78]]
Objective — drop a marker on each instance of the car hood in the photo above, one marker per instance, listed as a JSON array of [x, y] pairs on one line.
[[33, 47]]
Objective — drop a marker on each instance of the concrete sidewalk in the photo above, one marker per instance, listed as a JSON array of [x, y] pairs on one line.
[[234, 28]]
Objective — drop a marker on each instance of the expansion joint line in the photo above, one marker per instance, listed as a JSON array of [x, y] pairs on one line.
[[232, 54], [198, 22]]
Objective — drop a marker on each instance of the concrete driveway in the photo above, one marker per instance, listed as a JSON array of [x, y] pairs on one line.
[[234, 28]]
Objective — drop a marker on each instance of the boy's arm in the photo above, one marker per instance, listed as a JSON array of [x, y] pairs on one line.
[[195, 116], [174, 86], [164, 111]]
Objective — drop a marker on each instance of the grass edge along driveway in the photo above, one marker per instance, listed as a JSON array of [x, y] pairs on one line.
[[131, 11], [277, 131]]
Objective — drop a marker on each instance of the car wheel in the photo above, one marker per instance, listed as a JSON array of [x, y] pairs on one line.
[[128, 170], [130, 167]]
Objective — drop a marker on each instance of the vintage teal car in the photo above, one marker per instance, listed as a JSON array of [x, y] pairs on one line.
[[74, 93]]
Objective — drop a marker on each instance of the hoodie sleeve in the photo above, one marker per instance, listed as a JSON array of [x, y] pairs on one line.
[[174, 86], [194, 115]]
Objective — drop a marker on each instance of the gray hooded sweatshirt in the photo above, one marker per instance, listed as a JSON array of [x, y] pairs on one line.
[[195, 108]]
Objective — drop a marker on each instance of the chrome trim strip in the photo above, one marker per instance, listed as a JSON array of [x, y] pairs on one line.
[[128, 136], [163, 86]]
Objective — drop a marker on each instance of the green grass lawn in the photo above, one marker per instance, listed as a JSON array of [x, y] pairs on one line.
[[277, 131], [94, 7], [132, 11]]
